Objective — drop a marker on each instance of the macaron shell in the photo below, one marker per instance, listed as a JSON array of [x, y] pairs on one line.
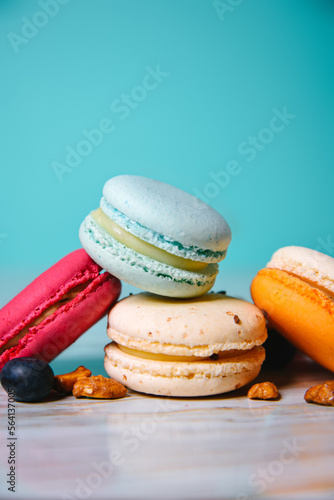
[[141, 271], [302, 313], [62, 328], [158, 206], [308, 264], [182, 379], [198, 326], [72, 270]]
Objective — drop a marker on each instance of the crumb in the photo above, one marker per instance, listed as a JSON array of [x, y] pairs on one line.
[[264, 390], [98, 387], [322, 394], [64, 383]]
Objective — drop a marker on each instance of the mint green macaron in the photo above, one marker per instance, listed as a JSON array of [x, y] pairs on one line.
[[156, 237]]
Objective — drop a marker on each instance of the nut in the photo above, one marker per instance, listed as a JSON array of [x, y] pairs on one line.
[[98, 387], [264, 390], [64, 383], [322, 394]]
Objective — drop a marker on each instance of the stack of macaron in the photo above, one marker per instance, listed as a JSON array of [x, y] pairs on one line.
[[174, 339]]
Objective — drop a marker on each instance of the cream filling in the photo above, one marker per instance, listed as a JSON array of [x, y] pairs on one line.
[[142, 247], [168, 357], [67, 297]]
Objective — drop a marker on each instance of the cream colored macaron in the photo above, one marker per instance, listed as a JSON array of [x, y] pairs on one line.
[[186, 348]]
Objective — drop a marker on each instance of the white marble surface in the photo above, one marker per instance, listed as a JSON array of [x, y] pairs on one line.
[[143, 447]]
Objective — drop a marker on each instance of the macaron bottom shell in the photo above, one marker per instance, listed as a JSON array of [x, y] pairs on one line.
[[301, 312], [183, 379], [140, 270]]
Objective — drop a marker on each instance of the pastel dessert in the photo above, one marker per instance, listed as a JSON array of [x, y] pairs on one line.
[[185, 348], [156, 237], [56, 308], [296, 289]]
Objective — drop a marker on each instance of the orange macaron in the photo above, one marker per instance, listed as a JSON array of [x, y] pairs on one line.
[[296, 290]]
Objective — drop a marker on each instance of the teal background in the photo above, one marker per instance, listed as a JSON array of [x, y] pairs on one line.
[[225, 70]]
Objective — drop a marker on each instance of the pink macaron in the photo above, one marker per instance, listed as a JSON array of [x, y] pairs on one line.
[[56, 308]]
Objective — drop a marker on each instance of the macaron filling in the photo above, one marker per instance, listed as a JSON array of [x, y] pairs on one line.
[[142, 247], [161, 241], [158, 357], [173, 358], [64, 299]]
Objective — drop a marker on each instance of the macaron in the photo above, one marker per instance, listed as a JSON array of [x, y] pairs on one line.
[[185, 348], [156, 237], [56, 308], [296, 289]]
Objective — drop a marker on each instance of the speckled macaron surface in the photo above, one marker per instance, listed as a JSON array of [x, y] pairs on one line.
[[156, 237], [194, 347]]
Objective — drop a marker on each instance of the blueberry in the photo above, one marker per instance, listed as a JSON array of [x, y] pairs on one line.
[[30, 379]]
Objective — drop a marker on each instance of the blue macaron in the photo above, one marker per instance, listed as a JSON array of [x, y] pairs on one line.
[[156, 237]]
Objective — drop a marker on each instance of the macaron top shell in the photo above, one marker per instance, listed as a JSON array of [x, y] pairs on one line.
[[47, 289], [199, 326], [163, 214], [307, 264]]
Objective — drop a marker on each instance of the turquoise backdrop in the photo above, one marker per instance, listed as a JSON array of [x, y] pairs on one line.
[[230, 100]]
